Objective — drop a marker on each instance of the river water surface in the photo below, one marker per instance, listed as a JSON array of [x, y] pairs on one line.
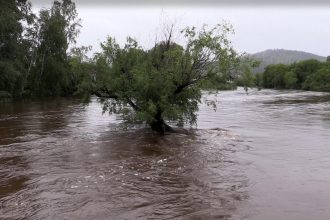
[[262, 156]]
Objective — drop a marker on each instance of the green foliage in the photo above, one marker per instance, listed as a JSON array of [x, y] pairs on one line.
[[8, 77], [248, 80], [82, 70], [12, 14], [258, 80], [57, 27], [13, 48], [290, 80], [273, 76], [163, 83], [307, 75], [245, 77], [319, 81], [33, 51], [305, 68]]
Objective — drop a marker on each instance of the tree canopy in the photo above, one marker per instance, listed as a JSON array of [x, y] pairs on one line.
[[13, 45], [56, 28], [34, 58], [162, 83]]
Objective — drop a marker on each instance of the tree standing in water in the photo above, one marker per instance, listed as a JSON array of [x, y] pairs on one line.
[[162, 84]]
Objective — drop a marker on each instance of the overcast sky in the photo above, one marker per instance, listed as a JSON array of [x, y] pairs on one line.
[[257, 28]]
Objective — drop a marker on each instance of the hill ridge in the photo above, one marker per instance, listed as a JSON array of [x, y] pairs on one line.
[[277, 56]]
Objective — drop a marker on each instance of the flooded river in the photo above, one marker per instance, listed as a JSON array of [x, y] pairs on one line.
[[262, 156]]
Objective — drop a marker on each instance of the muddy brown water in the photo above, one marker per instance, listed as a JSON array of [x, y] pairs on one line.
[[260, 156]]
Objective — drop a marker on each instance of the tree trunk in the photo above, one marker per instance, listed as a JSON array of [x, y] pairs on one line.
[[159, 124], [161, 127]]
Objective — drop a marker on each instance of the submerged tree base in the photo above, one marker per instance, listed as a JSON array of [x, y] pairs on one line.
[[161, 127]]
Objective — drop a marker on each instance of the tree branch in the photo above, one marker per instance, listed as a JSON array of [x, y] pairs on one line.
[[133, 105], [187, 84], [105, 93]]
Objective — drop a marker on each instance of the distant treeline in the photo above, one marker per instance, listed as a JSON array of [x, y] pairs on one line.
[[305, 75], [38, 58], [276, 56], [35, 55]]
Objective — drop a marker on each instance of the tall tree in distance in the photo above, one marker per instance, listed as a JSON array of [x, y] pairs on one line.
[[13, 46], [56, 29]]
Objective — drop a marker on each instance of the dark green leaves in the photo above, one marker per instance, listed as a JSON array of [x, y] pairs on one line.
[[164, 82]]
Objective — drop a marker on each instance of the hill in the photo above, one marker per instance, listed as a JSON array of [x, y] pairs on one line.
[[277, 56]]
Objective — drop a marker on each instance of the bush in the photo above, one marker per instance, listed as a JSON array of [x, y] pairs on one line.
[[319, 81], [290, 80], [9, 77]]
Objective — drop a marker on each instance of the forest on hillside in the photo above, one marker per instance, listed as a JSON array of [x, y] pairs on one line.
[[282, 56]]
